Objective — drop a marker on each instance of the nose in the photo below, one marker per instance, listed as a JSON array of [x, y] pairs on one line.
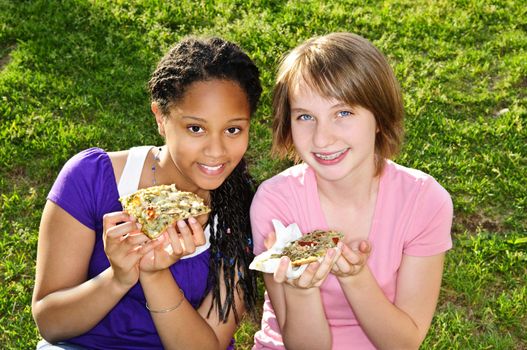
[[215, 148], [323, 135]]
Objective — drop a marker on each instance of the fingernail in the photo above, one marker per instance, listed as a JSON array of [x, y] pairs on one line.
[[181, 224], [284, 260], [191, 220], [331, 253]]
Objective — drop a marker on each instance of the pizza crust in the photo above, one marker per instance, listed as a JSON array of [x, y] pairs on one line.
[[157, 207]]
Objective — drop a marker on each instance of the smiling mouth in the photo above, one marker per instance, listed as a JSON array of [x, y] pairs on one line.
[[212, 168], [330, 156]]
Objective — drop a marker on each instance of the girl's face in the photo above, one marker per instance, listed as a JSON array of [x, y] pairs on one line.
[[206, 134], [335, 139]]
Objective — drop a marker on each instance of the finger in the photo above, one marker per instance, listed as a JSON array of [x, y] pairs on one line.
[[341, 266], [280, 275], [135, 239], [186, 236], [175, 240], [306, 279], [118, 248], [198, 235], [365, 247], [118, 231], [354, 245], [328, 262], [270, 240], [143, 249], [114, 218], [335, 268], [351, 255]]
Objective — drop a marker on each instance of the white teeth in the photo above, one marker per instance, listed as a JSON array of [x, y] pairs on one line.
[[212, 168], [330, 156]]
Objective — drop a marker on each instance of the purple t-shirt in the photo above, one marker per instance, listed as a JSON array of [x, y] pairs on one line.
[[86, 188]]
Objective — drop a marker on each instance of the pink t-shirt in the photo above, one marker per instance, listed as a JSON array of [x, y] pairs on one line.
[[413, 216]]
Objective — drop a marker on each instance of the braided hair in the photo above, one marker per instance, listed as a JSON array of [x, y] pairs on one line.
[[193, 60]]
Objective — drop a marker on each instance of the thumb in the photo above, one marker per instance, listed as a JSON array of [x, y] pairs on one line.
[[365, 247], [269, 240]]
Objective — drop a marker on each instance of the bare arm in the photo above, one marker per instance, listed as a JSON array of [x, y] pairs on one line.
[[406, 322], [183, 327], [298, 304], [65, 303], [300, 315]]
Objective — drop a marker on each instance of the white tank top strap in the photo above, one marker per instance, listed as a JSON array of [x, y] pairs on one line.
[[129, 181]]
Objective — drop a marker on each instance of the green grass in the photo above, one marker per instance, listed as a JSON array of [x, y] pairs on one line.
[[73, 75]]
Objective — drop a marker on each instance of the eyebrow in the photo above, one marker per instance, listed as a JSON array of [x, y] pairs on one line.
[[204, 121], [337, 105]]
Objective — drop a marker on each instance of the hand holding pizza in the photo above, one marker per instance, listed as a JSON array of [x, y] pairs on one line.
[[353, 259], [300, 260], [174, 244], [124, 245], [314, 275]]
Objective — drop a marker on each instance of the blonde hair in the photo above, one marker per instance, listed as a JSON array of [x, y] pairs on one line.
[[348, 68]]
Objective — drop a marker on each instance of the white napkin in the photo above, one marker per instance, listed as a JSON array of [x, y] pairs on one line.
[[284, 235]]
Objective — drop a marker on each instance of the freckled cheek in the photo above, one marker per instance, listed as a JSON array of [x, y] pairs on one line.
[[301, 135]]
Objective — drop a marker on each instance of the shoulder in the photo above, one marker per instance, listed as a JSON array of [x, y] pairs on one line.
[[85, 162], [293, 178], [423, 205], [118, 160], [82, 186], [408, 181]]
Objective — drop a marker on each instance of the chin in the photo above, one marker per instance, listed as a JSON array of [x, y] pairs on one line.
[[211, 185]]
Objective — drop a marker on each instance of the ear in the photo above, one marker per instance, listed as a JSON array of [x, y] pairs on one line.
[[160, 119]]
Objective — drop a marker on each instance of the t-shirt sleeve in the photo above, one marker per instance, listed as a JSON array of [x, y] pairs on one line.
[[80, 186], [432, 222], [268, 204]]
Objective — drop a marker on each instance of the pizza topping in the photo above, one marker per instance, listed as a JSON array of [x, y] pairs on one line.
[[310, 247], [157, 207]]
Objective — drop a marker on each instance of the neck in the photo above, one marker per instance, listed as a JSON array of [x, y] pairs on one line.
[[356, 189]]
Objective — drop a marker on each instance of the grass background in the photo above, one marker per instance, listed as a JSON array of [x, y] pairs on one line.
[[73, 75]]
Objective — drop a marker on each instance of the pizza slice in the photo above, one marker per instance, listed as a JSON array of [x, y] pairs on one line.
[[157, 207], [310, 247]]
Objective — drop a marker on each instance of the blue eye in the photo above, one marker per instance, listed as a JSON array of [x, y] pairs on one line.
[[344, 114], [305, 117], [195, 129]]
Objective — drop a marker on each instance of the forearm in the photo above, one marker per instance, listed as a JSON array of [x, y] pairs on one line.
[[387, 326], [305, 324], [173, 327], [71, 312]]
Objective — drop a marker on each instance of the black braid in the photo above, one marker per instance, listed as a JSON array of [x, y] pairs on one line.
[[231, 241], [194, 60]]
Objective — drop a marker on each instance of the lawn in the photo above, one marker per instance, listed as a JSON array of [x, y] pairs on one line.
[[73, 75]]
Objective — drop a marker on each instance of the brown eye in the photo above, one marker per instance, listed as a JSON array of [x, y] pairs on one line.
[[195, 129], [233, 131]]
